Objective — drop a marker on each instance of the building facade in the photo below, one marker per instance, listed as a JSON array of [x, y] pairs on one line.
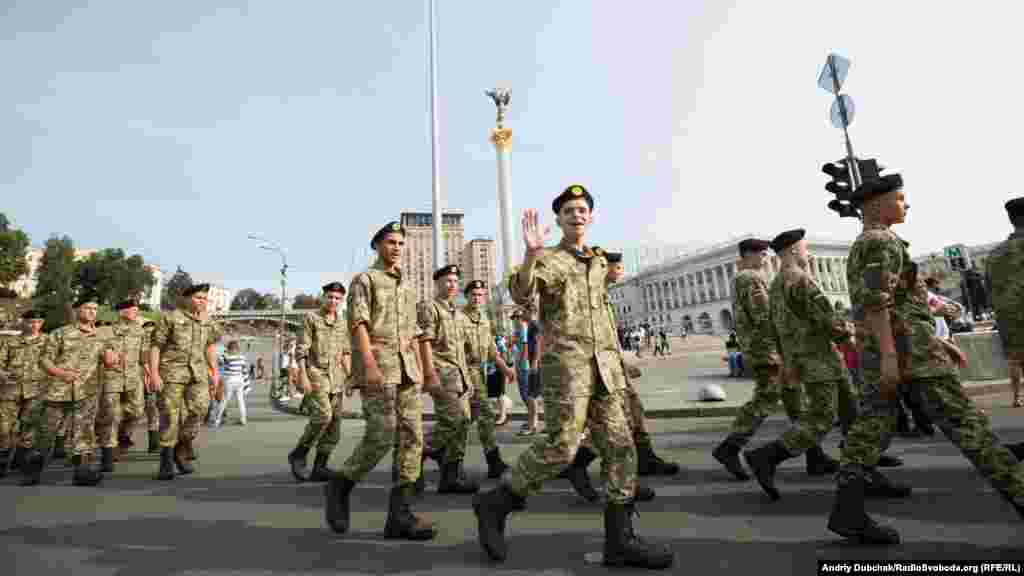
[[694, 291], [219, 299], [154, 296], [418, 254], [478, 261]]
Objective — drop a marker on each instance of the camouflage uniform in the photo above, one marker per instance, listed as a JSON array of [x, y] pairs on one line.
[[879, 276], [1004, 269], [480, 349], [757, 341], [387, 306], [183, 339], [121, 401], [442, 323], [323, 345], [22, 388], [151, 399], [582, 374]]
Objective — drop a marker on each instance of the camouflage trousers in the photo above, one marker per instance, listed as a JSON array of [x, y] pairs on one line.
[[15, 419], [565, 417], [959, 419], [817, 419], [769, 388], [486, 420], [182, 409], [78, 418], [117, 414], [152, 403], [390, 411], [323, 430], [452, 419], [636, 417]]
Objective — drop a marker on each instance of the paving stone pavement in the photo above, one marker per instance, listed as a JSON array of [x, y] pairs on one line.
[[242, 513]]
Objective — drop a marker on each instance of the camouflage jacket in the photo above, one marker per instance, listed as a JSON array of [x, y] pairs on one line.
[[1006, 272], [442, 324], [922, 353], [753, 318], [387, 306], [183, 339], [877, 260], [323, 345], [71, 348], [21, 376], [575, 319], [806, 326], [480, 347], [128, 340]]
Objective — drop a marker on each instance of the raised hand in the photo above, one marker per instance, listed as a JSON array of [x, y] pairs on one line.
[[533, 234]]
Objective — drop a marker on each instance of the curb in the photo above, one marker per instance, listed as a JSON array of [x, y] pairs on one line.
[[691, 412]]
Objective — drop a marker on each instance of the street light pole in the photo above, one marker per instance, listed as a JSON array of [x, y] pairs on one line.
[[267, 245]]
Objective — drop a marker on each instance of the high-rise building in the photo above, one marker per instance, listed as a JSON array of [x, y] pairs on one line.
[[478, 259], [418, 257]]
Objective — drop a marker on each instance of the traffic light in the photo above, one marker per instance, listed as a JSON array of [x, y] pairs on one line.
[[841, 184]]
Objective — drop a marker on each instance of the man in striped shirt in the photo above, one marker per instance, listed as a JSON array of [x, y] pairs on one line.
[[233, 372]]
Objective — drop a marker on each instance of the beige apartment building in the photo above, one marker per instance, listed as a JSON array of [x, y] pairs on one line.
[[478, 261], [418, 256]]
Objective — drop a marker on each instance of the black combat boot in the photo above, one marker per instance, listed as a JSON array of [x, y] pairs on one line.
[[728, 454], [320, 473], [877, 485], [849, 519], [819, 463], [622, 547], [454, 481], [181, 458], [166, 464], [106, 459], [402, 523], [495, 465], [643, 493], [154, 441], [649, 464], [19, 457], [297, 462], [5, 456], [337, 491], [576, 474], [763, 462], [32, 467], [1016, 449], [887, 461], [58, 448], [492, 509], [84, 474]]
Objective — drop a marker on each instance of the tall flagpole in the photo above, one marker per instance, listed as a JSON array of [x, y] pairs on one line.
[[435, 147]]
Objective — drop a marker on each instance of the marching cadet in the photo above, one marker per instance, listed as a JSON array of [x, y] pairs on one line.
[[152, 409], [120, 401], [324, 357], [582, 386], [386, 368], [22, 388], [898, 346], [182, 360], [807, 329], [480, 349], [648, 462], [71, 358], [757, 341], [443, 348], [1006, 274]]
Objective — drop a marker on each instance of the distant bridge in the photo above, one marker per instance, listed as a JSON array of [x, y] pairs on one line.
[[293, 317]]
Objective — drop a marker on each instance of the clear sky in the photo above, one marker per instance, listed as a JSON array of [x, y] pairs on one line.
[[175, 129]]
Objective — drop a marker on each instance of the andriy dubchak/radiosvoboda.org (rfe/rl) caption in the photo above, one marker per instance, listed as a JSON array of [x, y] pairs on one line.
[[924, 568]]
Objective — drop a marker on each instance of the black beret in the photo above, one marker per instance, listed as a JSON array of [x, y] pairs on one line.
[[1015, 208], [613, 257], [148, 324], [787, 239], [876, 187], [33, 315], [334, 287], [446, 270], [87, 297], [754, 245], [389, 228], [475, 284], [571, 193], [195, 289], [124, 304]]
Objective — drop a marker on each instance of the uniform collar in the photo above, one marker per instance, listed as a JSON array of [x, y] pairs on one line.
[[379, 265], [449, 305], [584, 254]]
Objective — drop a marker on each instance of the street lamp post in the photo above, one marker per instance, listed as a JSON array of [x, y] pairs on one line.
[[268, 245]]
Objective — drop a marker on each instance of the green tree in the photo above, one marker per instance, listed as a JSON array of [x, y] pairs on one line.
[[54, 289], [268, 302], [174, 289], [245, 299], [113, 275], [305, 302], [14, 244]]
